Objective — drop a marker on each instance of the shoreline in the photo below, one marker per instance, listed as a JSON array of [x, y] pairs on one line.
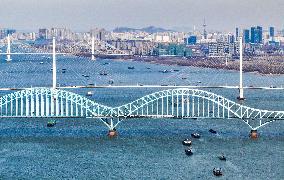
[[270, 65], [258, 66]]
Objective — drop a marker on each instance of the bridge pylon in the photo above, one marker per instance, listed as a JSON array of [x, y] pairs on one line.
[[8, 49], [93, 48], [241, 88]]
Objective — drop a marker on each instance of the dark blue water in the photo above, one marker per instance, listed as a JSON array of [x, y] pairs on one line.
[[144, 148]]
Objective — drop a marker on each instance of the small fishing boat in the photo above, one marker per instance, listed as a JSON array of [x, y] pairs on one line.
[[195, 135], [212, 131], [110, 82], [103, 73], [186, 142], [188, 152], [165, 71], [222, 157], [51, 123], [131, 67], [89, 93], [217, 172]]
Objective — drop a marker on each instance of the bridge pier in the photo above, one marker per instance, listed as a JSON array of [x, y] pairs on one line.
[[112, 133], [112, 130], [253, 134]]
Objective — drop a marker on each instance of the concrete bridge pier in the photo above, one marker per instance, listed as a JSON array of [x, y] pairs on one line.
[[254, 134], [112, 133], [112, 130]]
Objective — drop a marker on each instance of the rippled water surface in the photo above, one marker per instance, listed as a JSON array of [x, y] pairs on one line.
[[144, 148]]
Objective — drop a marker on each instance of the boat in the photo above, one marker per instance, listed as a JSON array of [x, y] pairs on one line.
[[91, 84], [217, 172], [103, 73], [164, 71], [106, 63], [110, 82], [131, 67], [183, 78], [41, 62], [188, 152], [212, 131], [186, 142], [195, 135], [148, 68], [222, 157], [176, 70], [51, 123], [89, 93]]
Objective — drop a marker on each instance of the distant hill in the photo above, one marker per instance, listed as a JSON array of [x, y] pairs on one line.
[[150, 29]]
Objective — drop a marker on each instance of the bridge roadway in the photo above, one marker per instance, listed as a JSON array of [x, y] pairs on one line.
[[182, 103], [153, 86]]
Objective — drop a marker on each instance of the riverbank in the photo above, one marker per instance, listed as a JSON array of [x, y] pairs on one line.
[[262, 65]]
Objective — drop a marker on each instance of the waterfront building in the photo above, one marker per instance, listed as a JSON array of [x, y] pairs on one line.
[[246, 36], [256, 34], [99, 33], [5, 32], [237, 34], [43, 33], [191, 40], [172, 49], [271, 31]]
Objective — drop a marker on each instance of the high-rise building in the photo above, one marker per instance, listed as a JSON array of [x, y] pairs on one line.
[[246, 36], [191, 40], [252, 35], [43, 33], [98, 33], [5, 32], [204, 30], [259, 34], [256, 35], [237, 33], [271, 32]]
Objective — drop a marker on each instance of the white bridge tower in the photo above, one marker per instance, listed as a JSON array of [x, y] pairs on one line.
[[8, 49]]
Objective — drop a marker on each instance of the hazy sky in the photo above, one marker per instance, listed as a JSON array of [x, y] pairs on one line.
[[84, 14]]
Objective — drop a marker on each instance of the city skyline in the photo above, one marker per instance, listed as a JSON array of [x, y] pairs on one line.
[[181, 15]]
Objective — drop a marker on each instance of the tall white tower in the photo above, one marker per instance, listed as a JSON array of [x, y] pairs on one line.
[[93, 48], [53, 64], [241, 88], [8, 49]]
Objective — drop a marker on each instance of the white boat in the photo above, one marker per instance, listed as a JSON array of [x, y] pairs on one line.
[[89, 93]]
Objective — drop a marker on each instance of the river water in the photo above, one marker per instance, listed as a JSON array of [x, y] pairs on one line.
[[144, 148]]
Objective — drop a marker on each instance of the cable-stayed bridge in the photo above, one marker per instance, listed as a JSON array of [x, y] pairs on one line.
[[177, 102]]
